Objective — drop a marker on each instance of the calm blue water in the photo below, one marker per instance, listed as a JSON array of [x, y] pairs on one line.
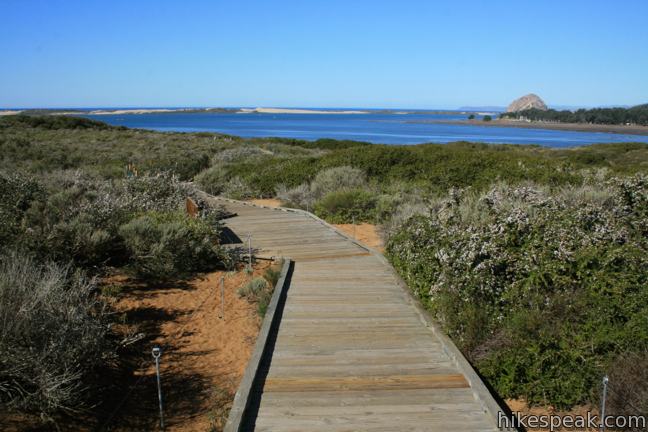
[[374, 127]]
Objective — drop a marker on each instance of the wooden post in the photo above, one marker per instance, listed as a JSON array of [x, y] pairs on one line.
[[222, 314]]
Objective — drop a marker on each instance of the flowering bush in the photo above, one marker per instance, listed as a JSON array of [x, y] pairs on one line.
[[539, 288]]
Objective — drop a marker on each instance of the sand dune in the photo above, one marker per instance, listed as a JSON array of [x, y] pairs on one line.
[[9, 112], [295, 111], [134, 111]]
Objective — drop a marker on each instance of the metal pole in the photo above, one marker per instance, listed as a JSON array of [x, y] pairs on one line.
[[354, 232], [222, 314], [605, 386], [249, 252], [156, 355]]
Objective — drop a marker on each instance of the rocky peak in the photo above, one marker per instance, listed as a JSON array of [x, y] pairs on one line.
[[527, 102]]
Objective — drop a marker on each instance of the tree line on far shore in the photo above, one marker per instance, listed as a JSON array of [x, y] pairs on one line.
[[637, 115]]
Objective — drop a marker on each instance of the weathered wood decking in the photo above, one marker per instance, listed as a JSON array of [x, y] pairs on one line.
[[352, 351]]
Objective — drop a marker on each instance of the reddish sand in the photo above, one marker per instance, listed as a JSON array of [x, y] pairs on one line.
[[268, 202], [203, 354], [520, 406], [365, 233]]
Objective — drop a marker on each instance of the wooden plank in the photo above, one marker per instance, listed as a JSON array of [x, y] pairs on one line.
[[352, 351], [243, 394], [387, 382], [456, 396]]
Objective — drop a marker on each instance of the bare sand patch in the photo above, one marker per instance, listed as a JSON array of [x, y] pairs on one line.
[[268, 202], [204, 356], [365, 233], [520, 406]]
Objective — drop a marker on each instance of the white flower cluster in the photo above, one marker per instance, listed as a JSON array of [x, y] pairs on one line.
[[514, 243]]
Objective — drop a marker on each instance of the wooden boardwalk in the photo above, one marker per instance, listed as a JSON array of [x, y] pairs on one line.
[[352, 351]]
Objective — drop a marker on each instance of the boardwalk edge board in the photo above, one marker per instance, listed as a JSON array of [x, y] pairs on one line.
[[480, 392], [244, 392]]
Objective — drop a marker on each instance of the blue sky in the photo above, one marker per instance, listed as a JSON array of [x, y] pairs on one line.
[[307, 53]]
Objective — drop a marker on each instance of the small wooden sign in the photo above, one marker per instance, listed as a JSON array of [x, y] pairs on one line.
[[192, 208]]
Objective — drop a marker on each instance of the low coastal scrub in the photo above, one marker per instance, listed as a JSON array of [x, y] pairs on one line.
[[259, 290], [347, 206], [169, 245], [58, 225], [541, 288], [69, 216], [533, 259], [253, 288], [53, 337], [338, 194]]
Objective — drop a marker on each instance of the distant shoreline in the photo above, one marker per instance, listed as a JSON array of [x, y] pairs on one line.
[[258, 110], [136, 111], [578, 127]]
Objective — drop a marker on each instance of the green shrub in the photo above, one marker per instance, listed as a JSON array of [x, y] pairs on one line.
[[264, 301], [79, 220], [487, 118], [259, 290], [54, 122], [237, 188], [166, 245], [54, 335], [397, 203], [298, 197], [541, 289], [347, 206], [253, 288], [17, 193], [272, 275], [337, 179], [213, 180], [239, 154]]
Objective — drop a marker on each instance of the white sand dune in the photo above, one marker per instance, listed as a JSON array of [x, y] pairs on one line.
[[9, 112], [294, 111], [134, 111]]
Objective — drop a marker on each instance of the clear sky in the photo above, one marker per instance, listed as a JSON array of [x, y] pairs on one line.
[[308, 53]]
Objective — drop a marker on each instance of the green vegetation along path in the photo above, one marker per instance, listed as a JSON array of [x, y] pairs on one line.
[[353, 352]]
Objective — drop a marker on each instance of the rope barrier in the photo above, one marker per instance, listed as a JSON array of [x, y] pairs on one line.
[[177, 334]]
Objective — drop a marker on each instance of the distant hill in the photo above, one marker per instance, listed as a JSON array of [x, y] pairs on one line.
[[526, 102]]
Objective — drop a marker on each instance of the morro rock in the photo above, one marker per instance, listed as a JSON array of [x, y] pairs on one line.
[[527, 102]]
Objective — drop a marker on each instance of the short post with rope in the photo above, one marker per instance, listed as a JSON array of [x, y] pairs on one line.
[[156, 355], [603, 400], [222, 291]]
